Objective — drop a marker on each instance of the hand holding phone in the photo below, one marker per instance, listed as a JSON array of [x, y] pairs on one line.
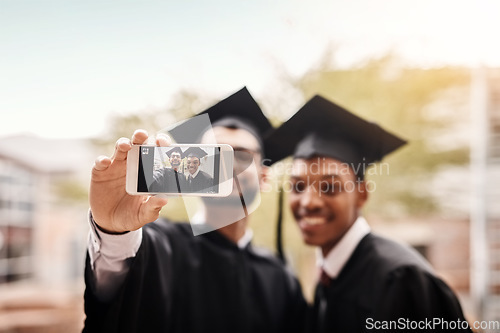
[[113, 209]]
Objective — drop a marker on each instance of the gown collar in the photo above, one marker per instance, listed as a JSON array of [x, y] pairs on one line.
[[242, 243], [194, 174], [245, 239]]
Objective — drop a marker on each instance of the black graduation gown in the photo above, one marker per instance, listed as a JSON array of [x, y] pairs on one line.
[[383, 281], [201, 183], [184, 283], [167, 180]]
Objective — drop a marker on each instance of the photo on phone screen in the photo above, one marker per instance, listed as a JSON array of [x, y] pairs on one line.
[[179, 169]]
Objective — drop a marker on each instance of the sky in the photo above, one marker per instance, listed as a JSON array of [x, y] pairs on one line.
[[67, 66]]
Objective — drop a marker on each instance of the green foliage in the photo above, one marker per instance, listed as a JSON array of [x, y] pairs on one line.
[[184, 104], [69, 190]]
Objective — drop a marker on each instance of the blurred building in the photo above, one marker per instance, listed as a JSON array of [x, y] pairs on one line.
[[43, 232], [463, 241], [485, 208]]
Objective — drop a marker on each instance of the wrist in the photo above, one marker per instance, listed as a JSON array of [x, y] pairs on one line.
[[110, 232]]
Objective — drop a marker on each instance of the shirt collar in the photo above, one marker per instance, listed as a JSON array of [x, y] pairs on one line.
[[338, 256], [245, 239], [199, 218], [194, 174]]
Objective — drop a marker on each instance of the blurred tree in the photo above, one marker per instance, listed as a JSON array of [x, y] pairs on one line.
[[70, 191], [183, 105]]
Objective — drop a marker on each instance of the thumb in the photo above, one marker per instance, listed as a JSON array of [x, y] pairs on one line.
[[150, 208]]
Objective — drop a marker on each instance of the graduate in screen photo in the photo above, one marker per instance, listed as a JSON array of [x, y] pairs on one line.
[[169, 179], [197, 180]]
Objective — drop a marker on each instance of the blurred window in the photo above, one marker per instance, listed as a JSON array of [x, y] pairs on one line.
[[16, 220]]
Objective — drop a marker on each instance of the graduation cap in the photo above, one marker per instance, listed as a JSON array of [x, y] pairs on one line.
[[323, 128], [239, 110], [194, 151], [174, 150]]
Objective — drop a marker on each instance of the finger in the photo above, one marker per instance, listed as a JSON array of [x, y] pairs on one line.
[[139, 137], [163, 140], [102, 163], [121, 149], [151, 207]]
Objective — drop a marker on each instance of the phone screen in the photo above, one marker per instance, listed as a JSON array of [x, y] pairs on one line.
[[178, 169]]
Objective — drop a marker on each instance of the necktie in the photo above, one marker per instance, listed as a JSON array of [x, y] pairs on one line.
[[324, 279], [324, 283]]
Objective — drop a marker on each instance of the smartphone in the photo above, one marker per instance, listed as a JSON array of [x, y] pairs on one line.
[[204, 170]]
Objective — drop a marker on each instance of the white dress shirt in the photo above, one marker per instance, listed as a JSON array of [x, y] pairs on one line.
[[336, 259], [108, 254]]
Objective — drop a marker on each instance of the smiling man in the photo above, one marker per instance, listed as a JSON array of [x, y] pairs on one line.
[[145, 274], [196, 179], [169, 180], [367, 282], [175, 158]]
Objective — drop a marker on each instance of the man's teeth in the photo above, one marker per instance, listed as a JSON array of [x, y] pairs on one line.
[[314, 220]]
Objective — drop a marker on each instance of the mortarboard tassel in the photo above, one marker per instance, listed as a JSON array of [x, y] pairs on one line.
[[279, 226]]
